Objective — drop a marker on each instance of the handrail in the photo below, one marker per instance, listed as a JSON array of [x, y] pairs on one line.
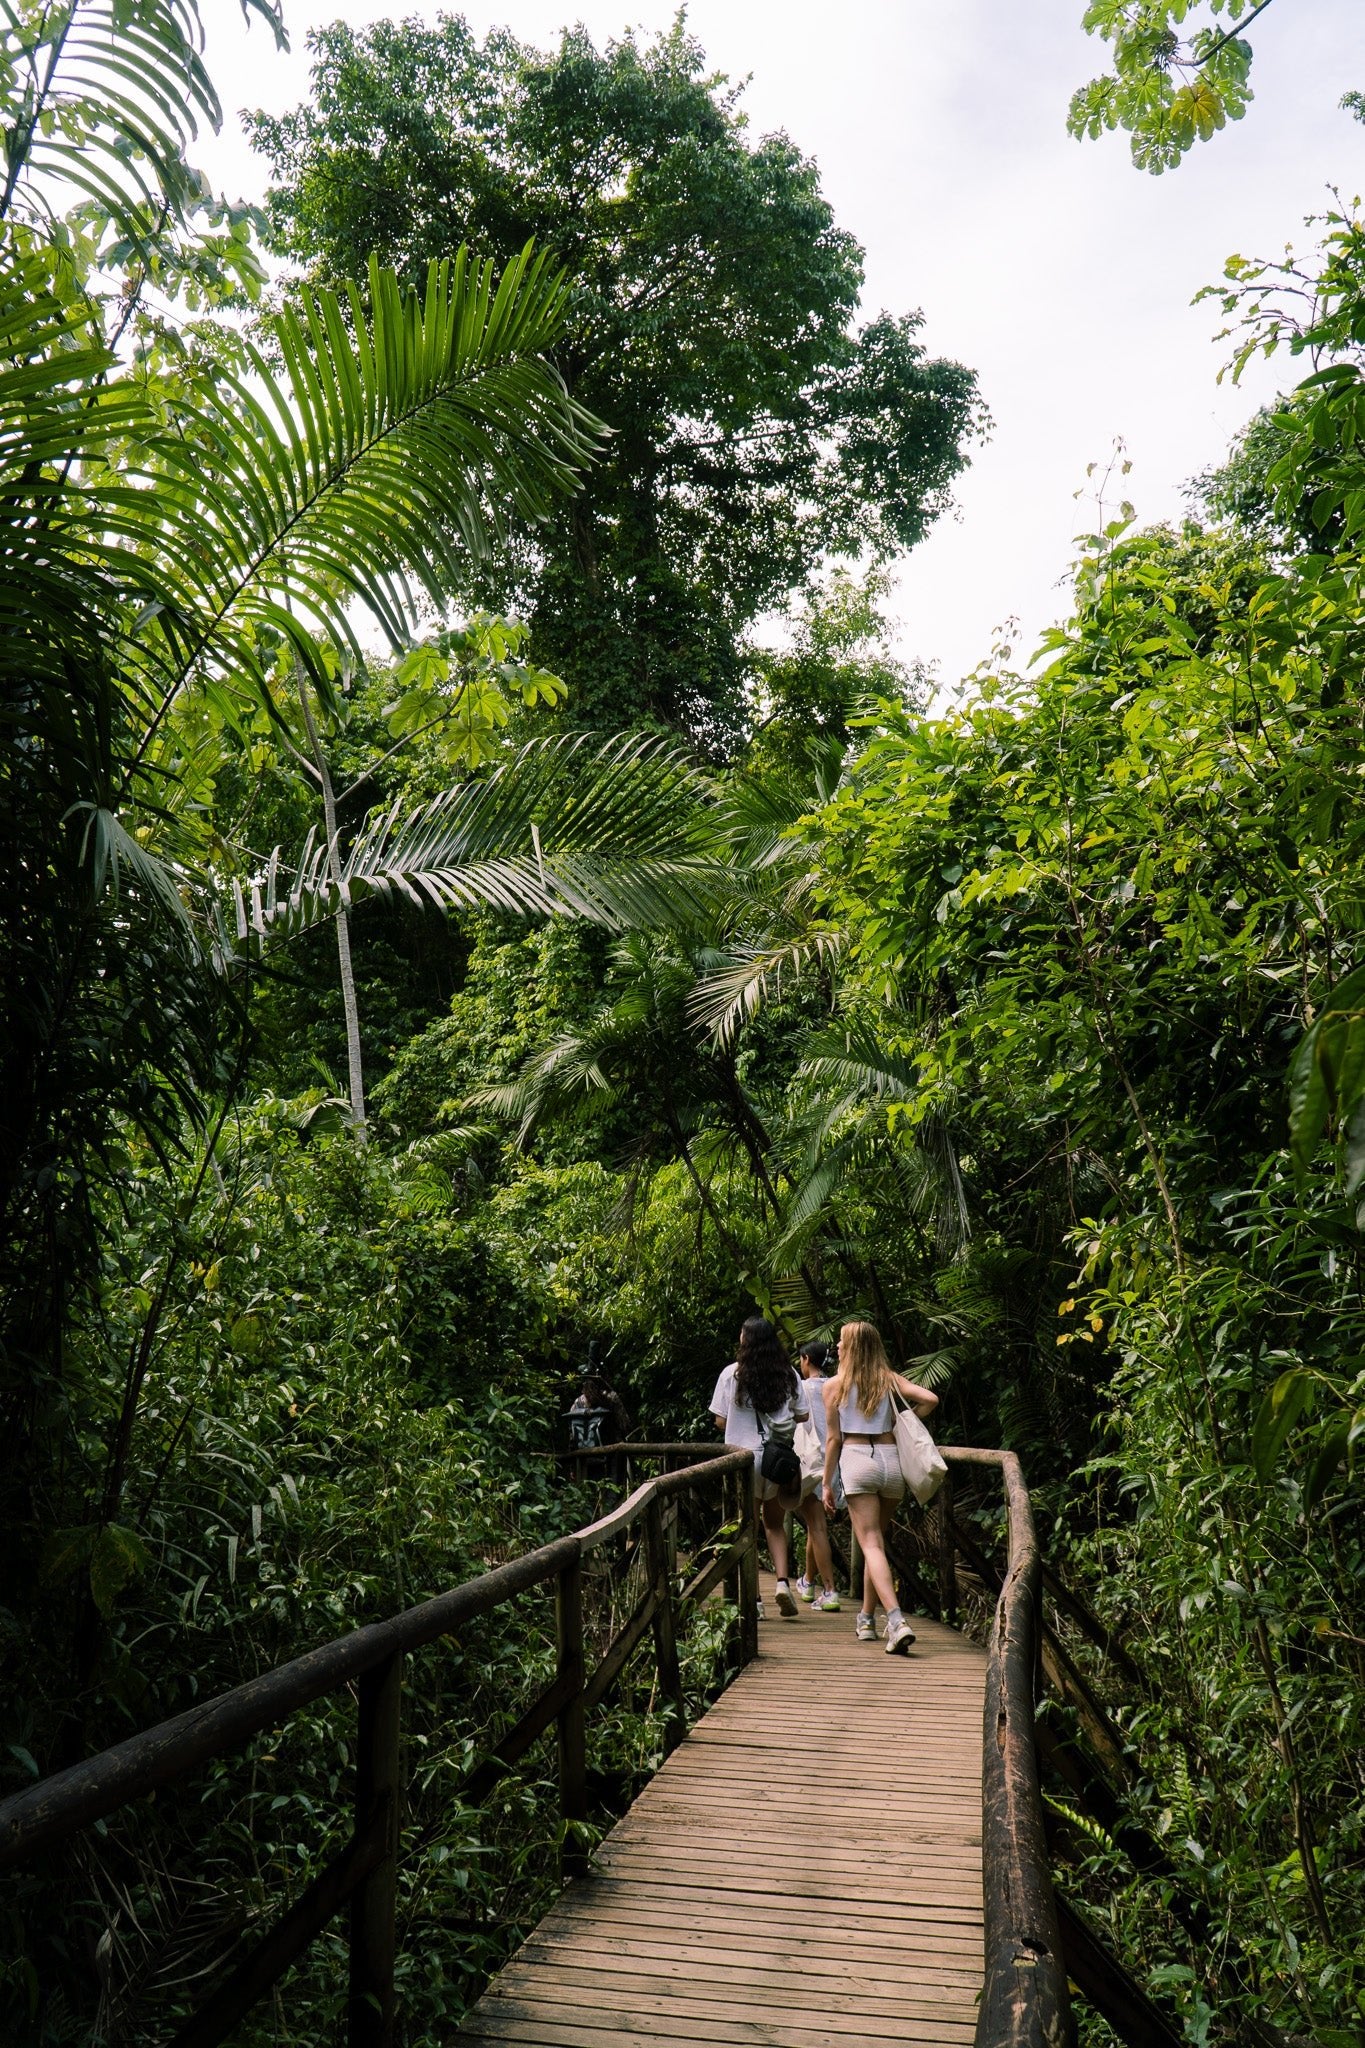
[[1024, 2000], [366, 1870], [631, 1449]]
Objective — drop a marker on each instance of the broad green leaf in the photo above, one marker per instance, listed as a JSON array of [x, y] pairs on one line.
[[66, 1552], [118, 1556], [1327, 1073], [1287, 1400], [1336, 1437]]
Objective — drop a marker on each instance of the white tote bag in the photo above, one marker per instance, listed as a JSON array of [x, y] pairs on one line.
[[922, 1465], [809, 1450]]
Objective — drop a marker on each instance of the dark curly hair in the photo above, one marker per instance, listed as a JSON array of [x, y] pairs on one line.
[[766, 1376]]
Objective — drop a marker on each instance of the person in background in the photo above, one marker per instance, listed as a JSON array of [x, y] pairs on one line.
[[760, 1395], [812, 1361], [603, 1403], [598, 1418], [860, 1444]]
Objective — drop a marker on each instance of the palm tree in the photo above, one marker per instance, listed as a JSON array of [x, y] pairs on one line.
[[178, 524]]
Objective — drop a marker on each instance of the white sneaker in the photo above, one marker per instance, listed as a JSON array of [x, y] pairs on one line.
[[762, 1610], [826, 1603], [899, 1639], [865, 1629], [806, 1590], [786, 1603]]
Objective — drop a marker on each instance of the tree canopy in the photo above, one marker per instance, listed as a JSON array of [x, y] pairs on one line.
[[1174, 83], [758, 424], [1032, 1029]]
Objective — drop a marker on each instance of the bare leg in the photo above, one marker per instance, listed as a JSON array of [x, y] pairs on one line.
[[878, 1584], [812, 1513], [774, 1527]]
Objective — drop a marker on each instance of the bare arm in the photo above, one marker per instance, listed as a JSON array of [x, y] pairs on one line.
[[921, 1400], [834, 1443]]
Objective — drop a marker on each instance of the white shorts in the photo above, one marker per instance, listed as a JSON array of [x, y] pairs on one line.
[[768, 1489], [872, 1468]]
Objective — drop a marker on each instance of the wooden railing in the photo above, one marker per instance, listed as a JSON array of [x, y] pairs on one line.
[[1024, 1999], [364, 1875]]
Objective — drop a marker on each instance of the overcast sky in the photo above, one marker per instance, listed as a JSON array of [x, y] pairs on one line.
[[1058, 272]]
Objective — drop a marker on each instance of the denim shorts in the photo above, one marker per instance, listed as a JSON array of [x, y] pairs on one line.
[[872, 1468]]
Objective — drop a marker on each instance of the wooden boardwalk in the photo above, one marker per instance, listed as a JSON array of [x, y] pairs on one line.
[[804, 1872]]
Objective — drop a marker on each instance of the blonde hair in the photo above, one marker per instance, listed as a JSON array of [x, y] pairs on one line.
[[864, 1368]]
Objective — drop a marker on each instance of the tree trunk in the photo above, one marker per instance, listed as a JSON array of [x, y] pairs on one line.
[[349, 1004]]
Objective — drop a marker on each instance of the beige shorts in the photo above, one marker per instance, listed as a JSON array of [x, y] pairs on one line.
[[872, 1468], [766, 1489]]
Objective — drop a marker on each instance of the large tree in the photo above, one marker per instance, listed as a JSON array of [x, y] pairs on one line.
[[758, 426]]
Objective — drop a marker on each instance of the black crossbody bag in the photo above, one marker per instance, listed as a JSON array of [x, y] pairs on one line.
[[778, 1461]]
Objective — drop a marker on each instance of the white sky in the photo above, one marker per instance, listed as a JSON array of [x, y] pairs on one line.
[[1052, 267]]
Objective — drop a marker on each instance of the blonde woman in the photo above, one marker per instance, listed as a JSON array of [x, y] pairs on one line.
[[860, 1444]]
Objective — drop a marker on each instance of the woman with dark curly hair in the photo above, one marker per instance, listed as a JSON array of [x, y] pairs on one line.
[[760, 1398]]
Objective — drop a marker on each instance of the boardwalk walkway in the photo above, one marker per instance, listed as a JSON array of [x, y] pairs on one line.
[[804, 1872]]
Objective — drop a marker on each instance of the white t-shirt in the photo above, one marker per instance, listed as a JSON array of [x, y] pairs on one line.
[[815, 1396], [741, 1423]]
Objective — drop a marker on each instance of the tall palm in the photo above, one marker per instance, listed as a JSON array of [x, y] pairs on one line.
[[170, 527], [852, 1176], [637, 1052]]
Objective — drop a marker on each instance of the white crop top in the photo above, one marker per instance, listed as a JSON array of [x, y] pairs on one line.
[[853, 1422]]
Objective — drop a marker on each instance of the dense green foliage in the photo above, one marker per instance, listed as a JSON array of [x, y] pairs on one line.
[[757, 426], [1167, 91], [1032, 1031]]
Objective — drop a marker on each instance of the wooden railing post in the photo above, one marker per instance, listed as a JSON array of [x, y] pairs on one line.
[[748, 1567], [378, 1793], [572, 1718], [665, 1636], [947, 1554], [732, 1511]]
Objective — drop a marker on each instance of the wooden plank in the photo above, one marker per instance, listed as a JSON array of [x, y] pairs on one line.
[[783, 1990], [846, 2018], [930, 1859], [781, 1915], [963, 1945], [884, 1909], [533, 2021], [834, 1971], [960, 1884], [822, 1822]]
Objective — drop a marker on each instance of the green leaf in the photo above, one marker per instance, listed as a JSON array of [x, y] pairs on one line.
[[1327, 1073], [323, 1119], [612, 831], [1336, 1437], [66, 1552], [1291, 1394], [118, 1556]]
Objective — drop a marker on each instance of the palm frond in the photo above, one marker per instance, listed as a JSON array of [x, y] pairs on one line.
[[110, 849], [749, 976], [368, 468], [933, 1369], [104, 100], [854, 1058], [812, 1200], [268, 503], [567, 826], [565, 1076]]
